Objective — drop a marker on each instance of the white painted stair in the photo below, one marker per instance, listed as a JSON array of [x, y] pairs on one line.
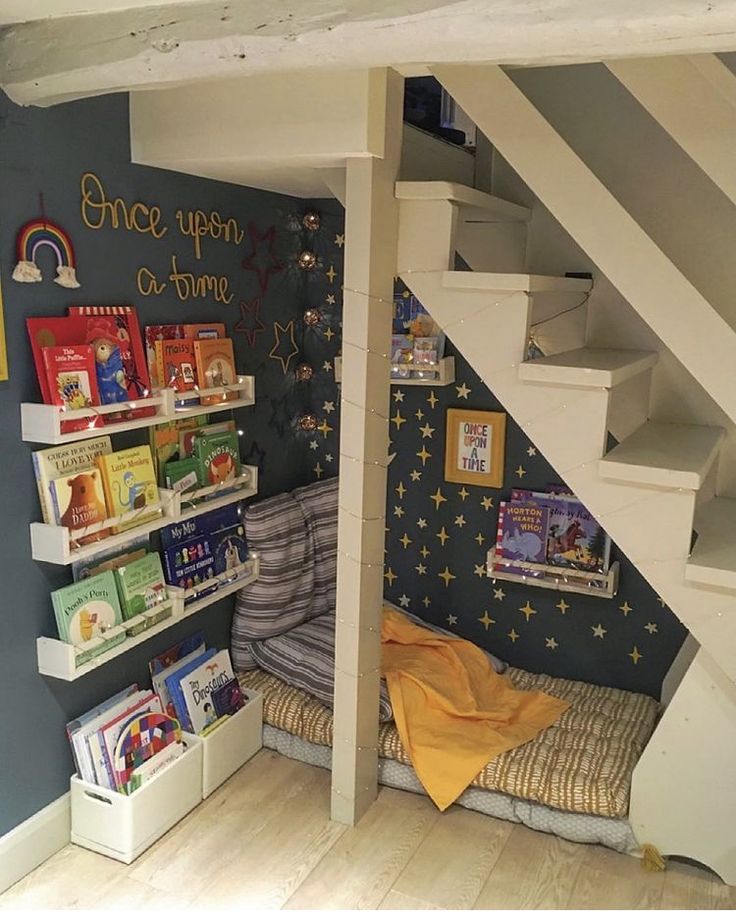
[[713, 558], [588, 366]]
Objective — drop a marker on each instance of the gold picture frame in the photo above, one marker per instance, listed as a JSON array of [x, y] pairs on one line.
[[474, 447]]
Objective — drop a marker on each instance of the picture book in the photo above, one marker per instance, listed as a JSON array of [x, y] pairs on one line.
[[173, 686], [171, 659], [219, 535], [151, 334], [177, 369], [159, 679], [142, 738], [89, 735], [49, 464], [182, 475], [228, 698], [190, 564], [111, 732], [87, 609], [72, 383], [76, 731], [213, 330], [216, 368], [122, 371], [402, 355], [521, 536], [217, 456], [78, 503], [141, 585], [54, 331], [186, 437], [129, 482], [151, 766], [111, 559], [198, 685], [165, 441]]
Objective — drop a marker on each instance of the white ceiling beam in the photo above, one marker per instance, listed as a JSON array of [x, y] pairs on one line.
[[55, 59]]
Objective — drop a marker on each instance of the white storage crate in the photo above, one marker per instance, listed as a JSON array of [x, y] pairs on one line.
[[228, 747], [122, 827]]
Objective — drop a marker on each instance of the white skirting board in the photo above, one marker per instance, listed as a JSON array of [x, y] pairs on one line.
[[26, 846]]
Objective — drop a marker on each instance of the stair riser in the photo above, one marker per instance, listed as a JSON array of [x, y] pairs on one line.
[[427, 236], [492, 246]]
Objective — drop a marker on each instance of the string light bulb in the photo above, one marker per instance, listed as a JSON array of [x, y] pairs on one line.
[[307, 261], [311, 221], [303, 372], [307, 423], [312, 317]]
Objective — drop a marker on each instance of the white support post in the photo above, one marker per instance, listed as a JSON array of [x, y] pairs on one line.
[[371, 231]]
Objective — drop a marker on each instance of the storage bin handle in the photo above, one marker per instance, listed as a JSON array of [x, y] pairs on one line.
[[97, 798]]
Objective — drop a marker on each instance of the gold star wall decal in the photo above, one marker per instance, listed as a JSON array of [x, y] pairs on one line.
[[520, 471], [284, 358], [531, 451], [446, 576], [398, 511], [427, 431], [318, 470], [329, 333], [512, 635], [405, 540], [422, 523], [451, 619], [425, 552], [527, 611], [313, 444], [635, 656], [463, 493], [462, 391], [398, 420], [328, 456], [390, 576], [327, 366], [562, 605], [626, 608], [599, 631], [551, 643], [443, 536], [415, 475], [651, 627], [404, 600], [460, 521], [328, 407], [398, 395], [499, 594], [424, 455], [400, 490], [324, 428], [421, 569], [419, 414], [432, 399], [340, 239], [480, 570], [480, 539], [331, 274], [487, 503], [330, 299], [438, 498], [486, 620], [426, 601]]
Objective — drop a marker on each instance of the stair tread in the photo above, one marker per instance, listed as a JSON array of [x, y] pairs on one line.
[[713, 559], [588, 366], [525, 283], [664, 455], [489, 204]]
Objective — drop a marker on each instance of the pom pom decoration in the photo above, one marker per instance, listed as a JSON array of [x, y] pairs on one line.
[[312, 317], [303, 372], [307, 423], [311, 221], [307, 261], [41, 233]]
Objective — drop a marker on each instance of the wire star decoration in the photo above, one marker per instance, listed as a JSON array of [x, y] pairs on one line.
[[261, 258], [274, 354], [250, 323]]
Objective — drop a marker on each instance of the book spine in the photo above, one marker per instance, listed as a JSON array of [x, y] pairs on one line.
[[41, 483], [499, 529]]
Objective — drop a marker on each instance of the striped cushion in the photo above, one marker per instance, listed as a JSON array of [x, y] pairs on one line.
[[319, 505]]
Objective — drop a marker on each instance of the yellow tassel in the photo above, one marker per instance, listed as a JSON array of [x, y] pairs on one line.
[[652, 859]]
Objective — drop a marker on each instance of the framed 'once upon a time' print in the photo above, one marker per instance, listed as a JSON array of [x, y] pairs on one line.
[[474, 447]]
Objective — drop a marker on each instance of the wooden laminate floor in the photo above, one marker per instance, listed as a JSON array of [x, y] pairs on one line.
[[264, 840]]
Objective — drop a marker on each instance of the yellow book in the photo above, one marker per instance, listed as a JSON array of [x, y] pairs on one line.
[[129, 481]]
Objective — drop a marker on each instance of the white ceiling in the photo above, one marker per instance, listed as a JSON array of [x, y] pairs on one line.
[[32, 10]]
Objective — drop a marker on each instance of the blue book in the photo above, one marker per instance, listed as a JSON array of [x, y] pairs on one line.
[[173, 686]]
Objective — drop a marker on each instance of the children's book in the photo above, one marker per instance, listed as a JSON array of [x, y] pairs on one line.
[[216, 368], [172, 658], [187, 437], [402, 355], [197, 687], [151, 766], [521, 536], [112, 558], [165, 439], [155, 333], [190, 564], [72, 383], [142, 738], [129, 482], [141, 585], [177, 369], [77, 729], [182, 475], [53, 331], [173, 686], [227, 537], [228, 698], [79, 502], [110, 732], [87, 609], [49, 464], [214, 330], [217, 456]]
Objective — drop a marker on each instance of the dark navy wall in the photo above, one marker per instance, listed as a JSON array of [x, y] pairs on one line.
[[627, 642], [48, 151]]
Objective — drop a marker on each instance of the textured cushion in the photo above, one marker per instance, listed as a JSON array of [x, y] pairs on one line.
[[583, 763], [305, 658], [319, 506]]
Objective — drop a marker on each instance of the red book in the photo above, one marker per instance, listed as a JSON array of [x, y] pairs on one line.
[[155, 333], [52, 332], [176, 366], [71, 379]]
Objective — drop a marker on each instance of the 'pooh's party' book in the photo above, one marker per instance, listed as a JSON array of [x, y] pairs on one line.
[[87, 610], [129, 481]]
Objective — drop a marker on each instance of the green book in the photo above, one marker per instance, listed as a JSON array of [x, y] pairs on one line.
[[87, 610], [217, 457], [182, 475], [141, 588]]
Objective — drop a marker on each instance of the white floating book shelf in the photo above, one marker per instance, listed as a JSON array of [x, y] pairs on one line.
[[41, 423], [562, 579], [58, 659], [55, 544], [438, 374]]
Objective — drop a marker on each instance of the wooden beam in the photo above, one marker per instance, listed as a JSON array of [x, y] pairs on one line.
[[694, 100], [371, 231]]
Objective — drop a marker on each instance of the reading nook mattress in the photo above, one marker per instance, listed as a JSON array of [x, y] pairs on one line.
[[583, 763]]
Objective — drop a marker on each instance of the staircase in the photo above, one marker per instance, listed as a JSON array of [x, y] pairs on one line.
[[649, 492]]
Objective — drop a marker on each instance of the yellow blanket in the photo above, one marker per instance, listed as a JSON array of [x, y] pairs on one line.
[[454, 713]]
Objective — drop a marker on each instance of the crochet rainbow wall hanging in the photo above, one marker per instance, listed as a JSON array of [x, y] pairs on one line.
[[37, 234]]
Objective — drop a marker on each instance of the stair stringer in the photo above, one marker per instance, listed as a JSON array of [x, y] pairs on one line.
[[651, 525]]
